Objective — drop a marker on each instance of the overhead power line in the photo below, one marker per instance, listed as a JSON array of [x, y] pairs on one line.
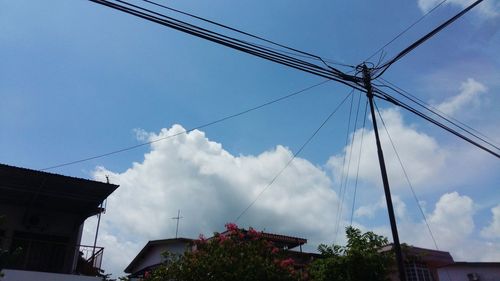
[[402, 104], [407, 177], [457, 123], [293, 157], [186, 131], [234, 43], [284, 59], [359, 162], [381, 69], [406, 29], [294, 50]]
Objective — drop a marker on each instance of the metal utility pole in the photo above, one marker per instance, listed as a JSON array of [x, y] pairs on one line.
[[397, 246]]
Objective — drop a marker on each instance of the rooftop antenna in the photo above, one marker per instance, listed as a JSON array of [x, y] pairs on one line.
[[178, 218]]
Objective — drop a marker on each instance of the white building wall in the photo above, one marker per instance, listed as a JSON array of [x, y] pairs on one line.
[[21, 275], [155, 255], [459, 273]]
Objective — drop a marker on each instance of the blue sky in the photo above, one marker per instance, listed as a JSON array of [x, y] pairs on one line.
[[78, 79]]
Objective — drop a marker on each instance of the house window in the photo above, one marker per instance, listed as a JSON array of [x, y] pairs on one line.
[[417, 271]]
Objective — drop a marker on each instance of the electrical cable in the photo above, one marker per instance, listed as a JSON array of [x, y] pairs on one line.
[[411, 186], [243, 32], [406, 29], [346, 179], [417, 43], [333, 74], [359, 161], [400, 103], [186, 131], [438, 112], [407, 177], [330, 73], [293, 157], [345, 175]]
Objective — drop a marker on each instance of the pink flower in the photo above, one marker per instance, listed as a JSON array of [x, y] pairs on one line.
[[274, 250], [222, 238], [232, 227], [252, 232], [287, 262]]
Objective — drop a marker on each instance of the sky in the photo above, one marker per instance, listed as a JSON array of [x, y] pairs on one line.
[[78, 79]]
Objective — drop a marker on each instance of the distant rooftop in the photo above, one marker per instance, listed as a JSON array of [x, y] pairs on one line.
[[281, 241], [142, 254]]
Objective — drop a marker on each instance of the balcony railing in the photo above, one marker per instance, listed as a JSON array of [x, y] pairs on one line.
[[90, 260]]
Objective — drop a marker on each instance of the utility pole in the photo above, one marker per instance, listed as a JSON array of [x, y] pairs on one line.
[[390, 209]]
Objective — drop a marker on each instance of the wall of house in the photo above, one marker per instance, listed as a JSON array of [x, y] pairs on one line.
[[154, 255], [21, 275], [42, 222], [459, 273]]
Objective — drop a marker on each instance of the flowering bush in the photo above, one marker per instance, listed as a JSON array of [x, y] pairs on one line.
[[234, 255]]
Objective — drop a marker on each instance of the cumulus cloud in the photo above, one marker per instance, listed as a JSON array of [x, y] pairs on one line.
[[427, 158], [452, 220], [453, 227], [371, 210], [211, 187], [488, 9], [493, 230], [470, 91]]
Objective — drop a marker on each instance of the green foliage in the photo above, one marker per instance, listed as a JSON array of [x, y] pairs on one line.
[[236, 255], [359, 260]]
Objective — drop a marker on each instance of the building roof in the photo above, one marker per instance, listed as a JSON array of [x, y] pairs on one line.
[[150, 245], [281, 241], [47, 191], [473, 264], [435, 258]]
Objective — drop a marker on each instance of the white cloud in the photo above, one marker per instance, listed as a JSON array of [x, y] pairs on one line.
[[371, 210], [468, 96], [452, 220], [493, 230], [421, 155], [487, 9], [210, 187], [452, 224]]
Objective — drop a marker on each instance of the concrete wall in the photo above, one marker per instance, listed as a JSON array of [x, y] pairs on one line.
[[20, 275], [459, 272]]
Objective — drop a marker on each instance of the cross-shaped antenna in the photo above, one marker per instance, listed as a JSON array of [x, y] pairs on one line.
[[178, 218]]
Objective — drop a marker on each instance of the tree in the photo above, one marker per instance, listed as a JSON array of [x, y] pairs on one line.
[[359, 260], [234, 255]]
